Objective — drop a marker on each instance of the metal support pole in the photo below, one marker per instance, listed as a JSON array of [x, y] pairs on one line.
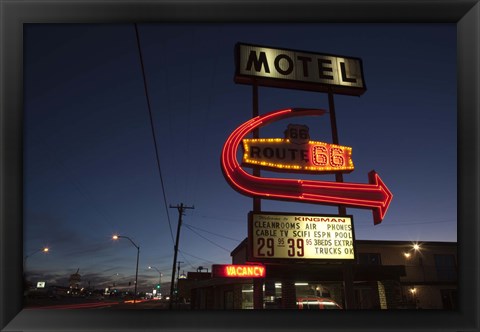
[[138, 255], [342, 211], [136, 276], [333, 122], [257, 205], [159, 274]]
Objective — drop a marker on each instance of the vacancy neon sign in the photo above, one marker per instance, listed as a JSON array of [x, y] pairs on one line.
[[374, 195], [238, 271]]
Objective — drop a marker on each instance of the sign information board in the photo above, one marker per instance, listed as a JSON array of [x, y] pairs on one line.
[[306, 237], [293, 69]]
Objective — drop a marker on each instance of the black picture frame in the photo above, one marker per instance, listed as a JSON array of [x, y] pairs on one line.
[[466, 14]]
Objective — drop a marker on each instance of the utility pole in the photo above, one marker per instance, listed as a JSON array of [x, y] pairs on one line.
[[180, 209], [178, 270], [178, 277]]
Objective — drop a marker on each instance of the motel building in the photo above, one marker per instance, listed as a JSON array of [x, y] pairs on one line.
[[384, 274]]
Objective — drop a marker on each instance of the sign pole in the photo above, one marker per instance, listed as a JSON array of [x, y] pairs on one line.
[[342, 211], [257, 205], [333, 122]]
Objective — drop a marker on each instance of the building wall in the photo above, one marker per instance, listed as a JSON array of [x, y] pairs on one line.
[[430, 279], [240, 254], [425, 279], [419, 265]]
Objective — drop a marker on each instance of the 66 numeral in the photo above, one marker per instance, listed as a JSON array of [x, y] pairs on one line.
[[265, 247]]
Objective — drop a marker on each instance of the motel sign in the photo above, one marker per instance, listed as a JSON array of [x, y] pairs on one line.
[[298, 70]]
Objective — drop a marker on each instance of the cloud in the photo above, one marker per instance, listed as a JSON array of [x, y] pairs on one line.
[[45, 228]]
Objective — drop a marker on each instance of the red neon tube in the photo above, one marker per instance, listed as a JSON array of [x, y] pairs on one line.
[[374, 195]]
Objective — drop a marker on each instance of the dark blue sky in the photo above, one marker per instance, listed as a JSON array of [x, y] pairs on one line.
[[90, 167]]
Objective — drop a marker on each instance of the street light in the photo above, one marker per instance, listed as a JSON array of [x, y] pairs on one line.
[[44, 249], [116, 237], [115, 280], [25, 283], [159, 273]]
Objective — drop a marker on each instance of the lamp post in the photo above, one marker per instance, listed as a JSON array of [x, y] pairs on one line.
[[115, 280], [45, 249], [25, 284], [116, 237], [159, 274]]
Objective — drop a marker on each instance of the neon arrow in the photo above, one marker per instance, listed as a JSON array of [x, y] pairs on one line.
[[374, 196]]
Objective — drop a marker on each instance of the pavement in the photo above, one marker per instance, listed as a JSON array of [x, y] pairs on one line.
[[81, 303]]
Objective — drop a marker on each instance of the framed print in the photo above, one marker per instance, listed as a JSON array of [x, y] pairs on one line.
[[137, 134]]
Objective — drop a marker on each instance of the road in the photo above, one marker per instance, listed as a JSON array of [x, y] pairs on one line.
[[104, 304]]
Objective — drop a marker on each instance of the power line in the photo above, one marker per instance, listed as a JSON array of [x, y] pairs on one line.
[[186, 260], [203, 237], [200, 258], [216, 234], [153, 129], [223, 219]]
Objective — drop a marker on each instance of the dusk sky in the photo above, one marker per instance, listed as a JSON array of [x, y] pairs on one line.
[[90, 169]]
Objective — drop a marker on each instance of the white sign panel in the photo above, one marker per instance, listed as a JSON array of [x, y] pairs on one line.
[[298, 70], [292, 236], [41, 284]]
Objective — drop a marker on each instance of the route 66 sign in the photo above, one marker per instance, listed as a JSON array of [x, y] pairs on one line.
[[297, 134]]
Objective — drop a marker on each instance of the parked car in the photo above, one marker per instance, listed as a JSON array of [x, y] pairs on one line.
[[317, 303]]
